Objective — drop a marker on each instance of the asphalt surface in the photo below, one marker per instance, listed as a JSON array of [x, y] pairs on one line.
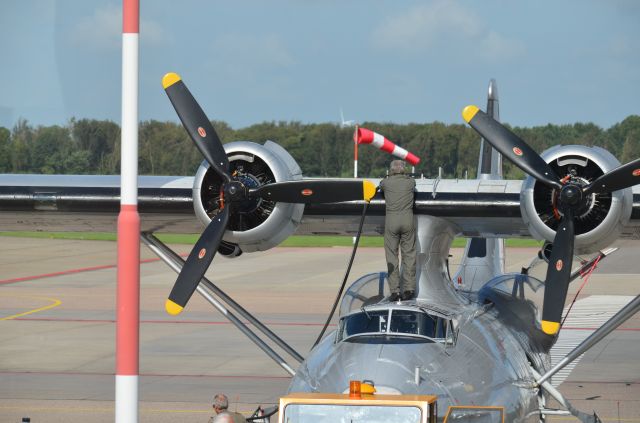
[[57, 331]]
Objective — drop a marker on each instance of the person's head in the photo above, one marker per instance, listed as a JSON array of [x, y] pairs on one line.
[[223, 418], [396, 167], [220, 403]]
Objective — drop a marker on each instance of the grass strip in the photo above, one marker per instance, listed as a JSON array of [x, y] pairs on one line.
[[292, 241]]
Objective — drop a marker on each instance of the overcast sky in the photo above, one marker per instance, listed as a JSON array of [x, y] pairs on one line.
[[399, 61]]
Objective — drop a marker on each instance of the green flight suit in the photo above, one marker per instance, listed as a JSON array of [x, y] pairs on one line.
[[399, 230]]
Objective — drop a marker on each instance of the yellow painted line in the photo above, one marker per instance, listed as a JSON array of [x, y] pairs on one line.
[[54, 303]]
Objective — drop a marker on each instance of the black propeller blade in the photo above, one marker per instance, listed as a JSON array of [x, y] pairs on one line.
[[197, 263], [234, 192], [196, 123], [570, 195], [558, 273], [319, 191], [624, 176], [510, 145]]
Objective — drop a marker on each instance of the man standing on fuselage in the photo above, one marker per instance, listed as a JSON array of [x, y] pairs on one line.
[[399, 231]]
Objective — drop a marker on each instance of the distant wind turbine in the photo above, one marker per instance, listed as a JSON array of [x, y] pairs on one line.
[[345, 123]]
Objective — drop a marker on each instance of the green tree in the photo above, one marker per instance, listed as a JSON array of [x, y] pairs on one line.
[[5, 150], [619, 133], [98, 139], [21, 137], [50, 149]]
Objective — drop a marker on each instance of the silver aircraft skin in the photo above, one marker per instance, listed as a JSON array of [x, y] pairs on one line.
[[473, 339], [467, 356]]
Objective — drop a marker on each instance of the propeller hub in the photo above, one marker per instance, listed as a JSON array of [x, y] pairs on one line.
[[235, 192], [570, 195]]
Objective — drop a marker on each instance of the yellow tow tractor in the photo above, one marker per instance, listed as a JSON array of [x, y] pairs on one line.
[[361, 404]]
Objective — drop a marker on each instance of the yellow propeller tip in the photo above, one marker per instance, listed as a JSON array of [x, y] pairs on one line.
[[170, 79], [469, 112], [550, 328], [173, 308], [368, 190]]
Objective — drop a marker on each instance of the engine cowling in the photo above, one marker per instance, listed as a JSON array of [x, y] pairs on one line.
[[602, 218], [259, 224]]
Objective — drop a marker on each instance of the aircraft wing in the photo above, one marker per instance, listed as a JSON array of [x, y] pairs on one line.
[[488, 208]]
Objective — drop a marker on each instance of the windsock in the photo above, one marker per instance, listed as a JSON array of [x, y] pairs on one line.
[[367, 136]]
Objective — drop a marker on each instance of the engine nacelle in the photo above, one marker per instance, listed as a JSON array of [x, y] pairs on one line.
[[602, 219], [260, 224]]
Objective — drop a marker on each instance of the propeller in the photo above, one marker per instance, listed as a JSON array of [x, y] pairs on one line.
[[234, 193], [570, 193]]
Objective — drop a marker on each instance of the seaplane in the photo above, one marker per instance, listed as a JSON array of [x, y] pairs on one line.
[[477, 343]]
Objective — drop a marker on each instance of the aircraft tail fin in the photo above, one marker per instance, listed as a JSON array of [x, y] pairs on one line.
[[483, 257]]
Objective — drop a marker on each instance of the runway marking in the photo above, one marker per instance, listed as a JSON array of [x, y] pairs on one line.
[[68, 272], [44, 373], [574, 419], [55, 303], [179, 322], [112, 409], [208, 322], [169, 411]]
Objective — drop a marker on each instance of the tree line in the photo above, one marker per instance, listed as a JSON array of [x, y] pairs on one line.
[[88, 146]]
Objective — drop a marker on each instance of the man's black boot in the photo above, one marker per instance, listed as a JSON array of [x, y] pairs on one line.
[[407, 295]]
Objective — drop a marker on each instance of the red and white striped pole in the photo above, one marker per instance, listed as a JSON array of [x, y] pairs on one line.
[[128, 297], [355, 155], [367, 136]]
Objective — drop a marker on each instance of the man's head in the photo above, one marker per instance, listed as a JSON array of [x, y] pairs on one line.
[[223, 418], [220, 403], [396, 167]]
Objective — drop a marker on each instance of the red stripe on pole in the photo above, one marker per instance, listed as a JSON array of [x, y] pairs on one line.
[[128, 301], [130, 16]]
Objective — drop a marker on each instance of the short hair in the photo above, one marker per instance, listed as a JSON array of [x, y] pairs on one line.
[[221, 401], [396, 166], [223, 418]]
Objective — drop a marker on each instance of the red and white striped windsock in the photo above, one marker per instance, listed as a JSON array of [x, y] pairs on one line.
[[367, 136]]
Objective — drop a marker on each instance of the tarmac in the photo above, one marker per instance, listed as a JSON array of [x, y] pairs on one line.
[[57, 331]]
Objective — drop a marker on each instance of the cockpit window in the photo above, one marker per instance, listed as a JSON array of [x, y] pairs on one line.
[[393, 322], [409, 321], [369, 322]]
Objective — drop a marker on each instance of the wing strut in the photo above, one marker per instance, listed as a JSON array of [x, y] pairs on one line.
[[610, 325], [206, 288]]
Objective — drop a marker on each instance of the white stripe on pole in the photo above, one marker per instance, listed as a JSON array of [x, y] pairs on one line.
[[128, 285], [126, 399], [129, 157]]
